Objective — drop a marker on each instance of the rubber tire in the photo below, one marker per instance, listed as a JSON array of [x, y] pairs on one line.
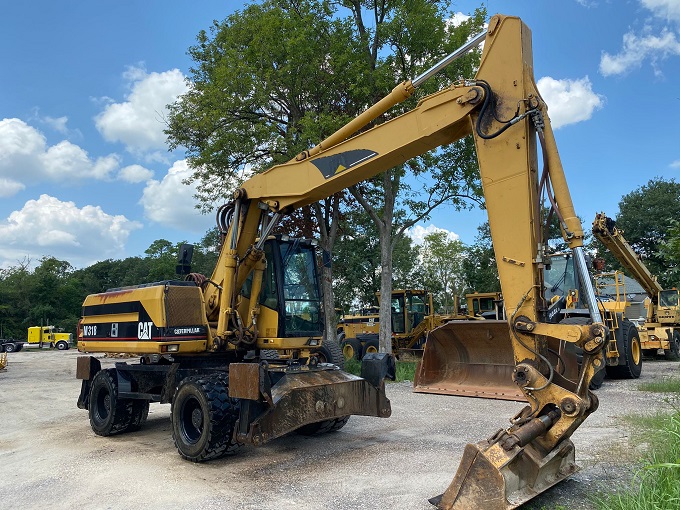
[[599, 376], [108, 414], [269, 354], [351, 349], [207, 398], [322, 427], [18, 346], [627, 368], [371, 346], [140, 412], [330, 352], [10, 347], [62, 345], [673, 353]]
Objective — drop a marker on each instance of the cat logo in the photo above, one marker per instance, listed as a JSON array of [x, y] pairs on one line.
[[144, 330]]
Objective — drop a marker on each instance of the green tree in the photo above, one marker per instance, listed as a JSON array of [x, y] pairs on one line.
[[479, 264], [442, 261], [277, 77], [645, 216]]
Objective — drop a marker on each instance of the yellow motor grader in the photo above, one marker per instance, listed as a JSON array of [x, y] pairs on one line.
[[201, 342]]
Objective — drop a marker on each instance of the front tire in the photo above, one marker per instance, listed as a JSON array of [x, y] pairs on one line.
[[62, 345], [203, 418], [323, 427], [10, 347], [330, 352], [630, 353]]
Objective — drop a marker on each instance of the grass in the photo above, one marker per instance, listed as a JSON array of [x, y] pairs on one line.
[[406, 370], [656, 484], [665, 386]]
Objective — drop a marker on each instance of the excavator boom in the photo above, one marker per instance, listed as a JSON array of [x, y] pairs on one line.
[[504, 112]]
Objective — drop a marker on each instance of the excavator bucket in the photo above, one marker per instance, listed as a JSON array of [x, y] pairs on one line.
[[3, 360], [472, 358], [494, 476]]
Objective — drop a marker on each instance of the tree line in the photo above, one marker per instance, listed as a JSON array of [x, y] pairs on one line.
[[52, 291]]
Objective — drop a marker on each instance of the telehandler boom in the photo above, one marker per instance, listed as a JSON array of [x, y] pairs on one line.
[[250, 305], [661, 332]]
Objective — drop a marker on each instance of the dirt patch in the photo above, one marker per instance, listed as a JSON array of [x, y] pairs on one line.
[[49, 454]]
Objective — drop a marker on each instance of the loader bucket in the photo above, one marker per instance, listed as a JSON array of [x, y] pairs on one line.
[[472, 358], [493, 478]]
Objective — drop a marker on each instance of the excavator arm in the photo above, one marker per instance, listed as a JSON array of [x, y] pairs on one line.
[[508, 119]]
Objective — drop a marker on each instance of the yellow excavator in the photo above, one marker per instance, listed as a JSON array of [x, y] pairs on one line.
[[202, 343]]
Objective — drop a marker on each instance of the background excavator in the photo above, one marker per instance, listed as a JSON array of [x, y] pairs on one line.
[[201, 342]]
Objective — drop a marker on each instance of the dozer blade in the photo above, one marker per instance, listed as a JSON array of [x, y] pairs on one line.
[[493, 478], [470, 358]]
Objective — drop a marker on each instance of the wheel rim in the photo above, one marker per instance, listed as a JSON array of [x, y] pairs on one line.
[[191, 420], [102, 405], [371, 349], [348, 351], [635, 351]]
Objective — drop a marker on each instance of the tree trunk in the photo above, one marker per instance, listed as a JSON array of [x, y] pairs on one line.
[[327, 215], [385, 332]]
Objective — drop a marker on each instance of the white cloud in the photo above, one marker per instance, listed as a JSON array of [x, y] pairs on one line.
[[58, 124], [655, 42], [9, 187], [135, 173], [50, 227], [138, 122], [569, 101], [675, 164], [418, 233], [666, 9], [637, 49], [170, 202], [25, 158]]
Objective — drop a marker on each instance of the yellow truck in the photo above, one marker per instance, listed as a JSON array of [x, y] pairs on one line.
[[47, 335]]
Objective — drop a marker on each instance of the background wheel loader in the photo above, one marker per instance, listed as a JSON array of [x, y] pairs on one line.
[[413, 317], [200, 341], [476, 359]]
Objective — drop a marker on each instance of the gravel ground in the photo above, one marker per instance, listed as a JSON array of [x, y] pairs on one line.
[[49, 456]]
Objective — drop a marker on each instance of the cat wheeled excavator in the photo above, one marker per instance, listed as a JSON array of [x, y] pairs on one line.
[[202, 342]]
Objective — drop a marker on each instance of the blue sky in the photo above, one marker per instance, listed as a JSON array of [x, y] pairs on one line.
[[85, 174]]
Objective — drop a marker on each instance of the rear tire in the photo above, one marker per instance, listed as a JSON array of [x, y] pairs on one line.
[[108, 414], [323, 427], [371, 347], [351, 349], [203, 418], [630, 353], [673, 352], [10, 347], [330, 352]]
